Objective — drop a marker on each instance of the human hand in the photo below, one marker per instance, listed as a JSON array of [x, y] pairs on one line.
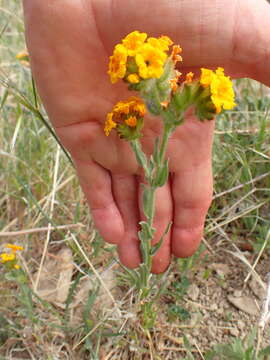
[[70, 42]]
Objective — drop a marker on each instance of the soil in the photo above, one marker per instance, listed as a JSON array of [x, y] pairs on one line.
[[222, 304]]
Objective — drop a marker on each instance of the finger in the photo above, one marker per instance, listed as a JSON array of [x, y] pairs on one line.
[[192, 194], [125, 194], [96, 184], [163, 216]]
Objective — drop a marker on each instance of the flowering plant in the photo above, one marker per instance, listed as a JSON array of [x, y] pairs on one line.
[[146, 66], [9, 258]]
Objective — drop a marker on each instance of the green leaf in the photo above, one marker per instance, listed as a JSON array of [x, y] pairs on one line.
[[148, 197], [180, 287], [140, 155], [92, 296], [147, 231], [179, 312], [156, 247], [156, 156], [162, 175]]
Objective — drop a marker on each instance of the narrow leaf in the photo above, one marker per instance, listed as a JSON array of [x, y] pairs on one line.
[[157, 246]]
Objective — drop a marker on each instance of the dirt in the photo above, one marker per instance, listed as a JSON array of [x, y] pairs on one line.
[[221, 302], [222, 307], [215, 318]]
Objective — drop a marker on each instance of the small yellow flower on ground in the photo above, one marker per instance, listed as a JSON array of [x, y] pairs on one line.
[[23, 55], [10, 258], [7, 257], [13, 247]]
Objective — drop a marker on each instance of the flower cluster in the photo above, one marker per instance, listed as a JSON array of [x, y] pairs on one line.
[[127, 117], [144, 64], [138, 58], [9, 258], [222, 94]]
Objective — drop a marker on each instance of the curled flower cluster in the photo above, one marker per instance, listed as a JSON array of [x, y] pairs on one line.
[[222, 94], [125, 116], [138, 58], [10, 257]]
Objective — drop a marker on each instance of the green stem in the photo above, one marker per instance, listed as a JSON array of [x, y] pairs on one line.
[[165, 138], [147, 230], [140, 156]]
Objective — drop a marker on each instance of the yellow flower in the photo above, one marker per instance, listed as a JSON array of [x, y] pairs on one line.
[[122, 107], [133, 42], [150, 61], [136, 59], [7, 257], [133, 78], [109, 124], [125, 112], [131, 105], [10, 258], [118, 63], [206, 77], [22, 55], [222, 93], [221, 88], [136, 105], [161, 43], [13, 247]]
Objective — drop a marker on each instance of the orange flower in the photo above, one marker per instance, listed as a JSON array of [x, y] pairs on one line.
[[125, 112], [131, 121], [118, 63], [176, 50], [189, 77]]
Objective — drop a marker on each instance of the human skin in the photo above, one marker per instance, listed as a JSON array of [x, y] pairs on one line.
[[70, 42]]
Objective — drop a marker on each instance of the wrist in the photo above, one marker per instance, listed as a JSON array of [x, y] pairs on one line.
[[252, 49]]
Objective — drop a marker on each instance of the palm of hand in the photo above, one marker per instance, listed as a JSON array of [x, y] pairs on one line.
[[77, 94]]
